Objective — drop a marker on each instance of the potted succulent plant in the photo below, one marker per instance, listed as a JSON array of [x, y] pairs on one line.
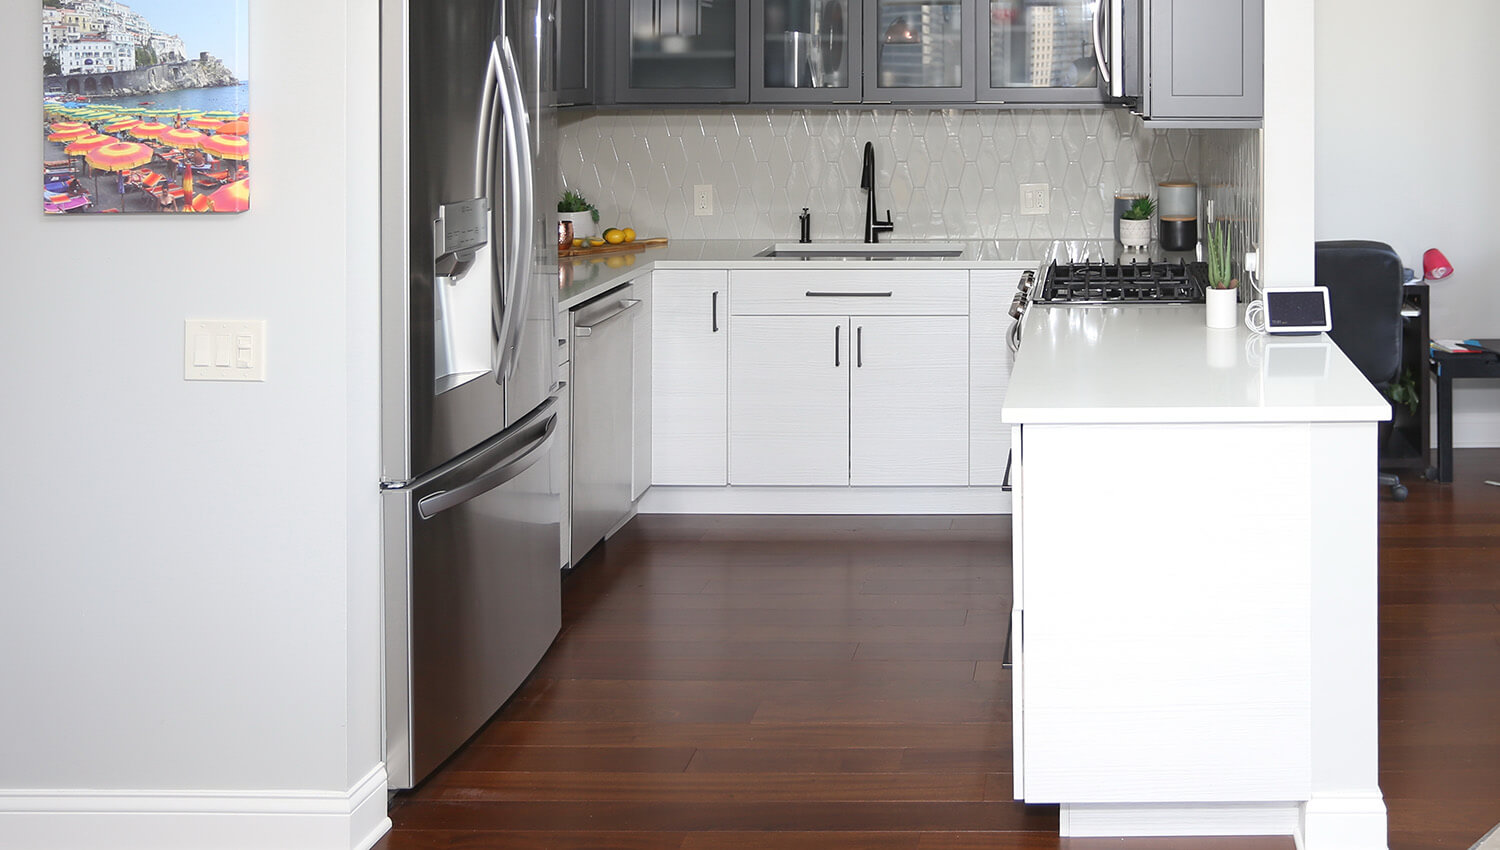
[[1223, 287], [576, 208], [1135, 224]]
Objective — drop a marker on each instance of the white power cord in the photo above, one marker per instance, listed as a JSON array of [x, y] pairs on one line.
[[1255, 316]]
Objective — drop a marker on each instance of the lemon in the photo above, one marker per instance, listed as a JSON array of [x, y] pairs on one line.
[[580, 242], [596, 242], [614, 236], [629, 234]]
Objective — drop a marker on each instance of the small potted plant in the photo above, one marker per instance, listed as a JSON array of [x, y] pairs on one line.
[[576, 208], [1135, 224], [1223, 293]]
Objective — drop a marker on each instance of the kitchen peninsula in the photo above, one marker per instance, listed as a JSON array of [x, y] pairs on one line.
[[1194, 623]]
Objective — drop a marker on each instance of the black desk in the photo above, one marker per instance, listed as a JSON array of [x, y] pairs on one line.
[[1445, 368]]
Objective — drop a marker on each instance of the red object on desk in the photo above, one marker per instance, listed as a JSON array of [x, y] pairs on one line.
[[1435, 266]]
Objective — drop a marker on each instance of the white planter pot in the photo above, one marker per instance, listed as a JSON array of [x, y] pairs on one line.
[[583, 223], [1135, 233], [1223, 308]]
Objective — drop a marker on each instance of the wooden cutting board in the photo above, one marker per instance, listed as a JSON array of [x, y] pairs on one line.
[[637, 245]]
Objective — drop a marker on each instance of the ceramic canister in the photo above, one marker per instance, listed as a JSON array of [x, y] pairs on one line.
[[1178, 233], [1177, 200]]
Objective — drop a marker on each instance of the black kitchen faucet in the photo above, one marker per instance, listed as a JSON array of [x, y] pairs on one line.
[[873, 226]]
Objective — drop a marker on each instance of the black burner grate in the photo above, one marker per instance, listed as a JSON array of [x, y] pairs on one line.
[[1124, 283]]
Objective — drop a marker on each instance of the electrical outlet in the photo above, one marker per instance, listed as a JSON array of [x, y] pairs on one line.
[[1034, 198], [703, 199]]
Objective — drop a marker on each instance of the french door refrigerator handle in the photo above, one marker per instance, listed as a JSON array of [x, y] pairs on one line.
[[486, 180], [1099, 41], [521, 171], [1117, 47], [511, 466]]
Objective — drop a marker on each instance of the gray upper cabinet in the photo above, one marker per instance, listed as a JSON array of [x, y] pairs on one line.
[[1041, 53], [806, 51], [919, 51], [681, 51], [1203, 62], [577, 52]]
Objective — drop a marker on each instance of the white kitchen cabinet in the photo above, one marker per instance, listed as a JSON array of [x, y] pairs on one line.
[[640, 407], [689, 377], [990, 361], [909, 401], [789, 400]]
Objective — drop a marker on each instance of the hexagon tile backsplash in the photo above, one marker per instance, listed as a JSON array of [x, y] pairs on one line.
[[944, 174]]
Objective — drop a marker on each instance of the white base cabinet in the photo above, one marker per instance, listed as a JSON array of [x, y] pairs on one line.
[[909, 401], [860, 379], [789, 400], [689, 377]]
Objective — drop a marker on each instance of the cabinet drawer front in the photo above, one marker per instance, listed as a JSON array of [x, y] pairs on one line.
[[866, 292]]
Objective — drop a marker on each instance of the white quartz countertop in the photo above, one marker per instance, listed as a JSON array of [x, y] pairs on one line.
[[582, 278], [1163, 364]]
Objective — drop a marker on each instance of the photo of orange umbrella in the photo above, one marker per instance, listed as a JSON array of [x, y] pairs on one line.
[[202, 123], [67, 131], [234, 197], [118, 156], [228, 147], [150, 130], [121, 125], [84, 144], [237, 127], [182, 138]]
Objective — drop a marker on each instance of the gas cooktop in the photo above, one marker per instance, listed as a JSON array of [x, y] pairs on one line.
[[1124, 283]]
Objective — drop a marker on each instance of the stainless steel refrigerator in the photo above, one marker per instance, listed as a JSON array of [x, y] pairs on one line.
[[470, 415]]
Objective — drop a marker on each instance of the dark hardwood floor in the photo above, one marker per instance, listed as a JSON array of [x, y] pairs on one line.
[[817, 683]]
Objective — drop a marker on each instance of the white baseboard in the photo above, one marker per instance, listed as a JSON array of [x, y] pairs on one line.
[[1346, 822], [1108, 820], [1478, 429], [197, 820], [825, 500]]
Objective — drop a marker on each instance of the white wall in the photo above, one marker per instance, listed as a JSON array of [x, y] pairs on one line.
[[190, 592], [1407, 126]]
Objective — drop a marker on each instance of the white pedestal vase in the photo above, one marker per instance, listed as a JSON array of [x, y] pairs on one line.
[[583, 223], [1223, 307]]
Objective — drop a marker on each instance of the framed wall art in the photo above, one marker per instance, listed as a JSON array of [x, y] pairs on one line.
[[145, 106]]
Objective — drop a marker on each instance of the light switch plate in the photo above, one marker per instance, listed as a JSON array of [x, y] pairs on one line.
[[1035, 198], [224, 350]]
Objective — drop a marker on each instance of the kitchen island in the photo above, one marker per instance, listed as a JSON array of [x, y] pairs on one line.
[[1194, 623]]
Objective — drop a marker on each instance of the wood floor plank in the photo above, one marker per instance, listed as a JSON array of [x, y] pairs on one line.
[[761, 840], [706, 788], [671, 816], [957, 736], [758, 669], [577, 759]]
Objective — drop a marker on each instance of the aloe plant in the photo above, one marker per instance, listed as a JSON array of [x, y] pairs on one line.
[[1220, 269]]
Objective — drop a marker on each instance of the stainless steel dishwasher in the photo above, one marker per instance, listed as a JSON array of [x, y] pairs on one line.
[[603, 341]]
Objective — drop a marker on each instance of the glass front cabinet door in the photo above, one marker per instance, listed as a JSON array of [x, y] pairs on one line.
[[682, 51], [1040, 52], [806, 51], [919, 51]]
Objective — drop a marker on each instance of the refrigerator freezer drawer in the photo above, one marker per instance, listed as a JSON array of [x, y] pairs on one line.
[[476, 600]]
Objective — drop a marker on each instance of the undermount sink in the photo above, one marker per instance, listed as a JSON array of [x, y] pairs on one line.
[[862, 251]]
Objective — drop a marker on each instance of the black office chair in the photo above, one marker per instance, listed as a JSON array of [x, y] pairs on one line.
[[1364, 281]]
